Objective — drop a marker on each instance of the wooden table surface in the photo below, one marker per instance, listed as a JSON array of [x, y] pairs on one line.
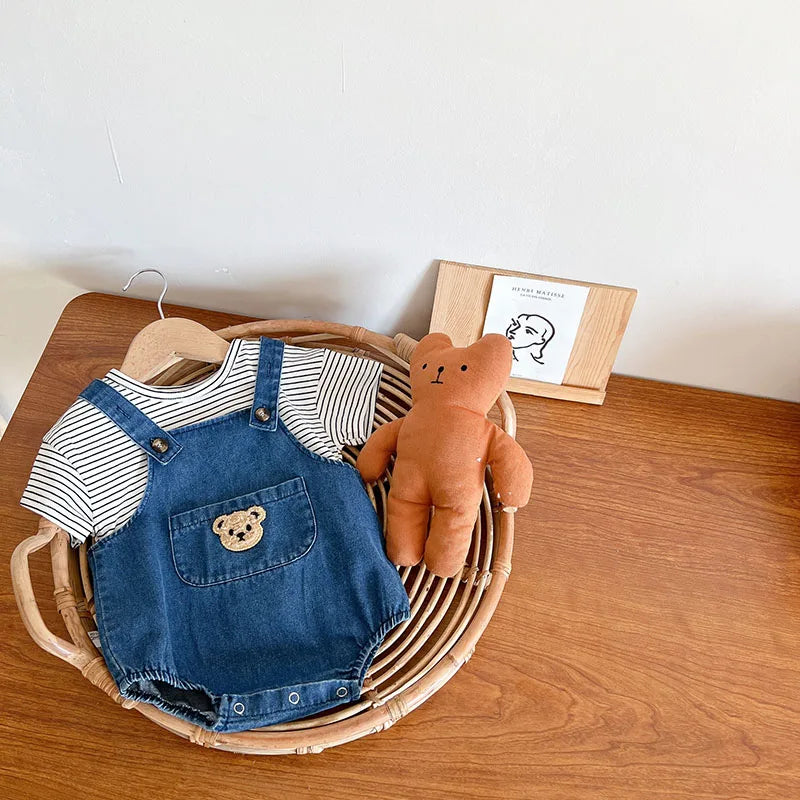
[[647, 644]]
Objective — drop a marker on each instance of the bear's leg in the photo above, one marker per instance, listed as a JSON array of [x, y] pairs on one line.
[[406, 529], [448, 541]]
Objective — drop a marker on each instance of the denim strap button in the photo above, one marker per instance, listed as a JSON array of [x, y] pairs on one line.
[[159, 445], [238, 708], [294, 698], [261, 414], [341, 691]]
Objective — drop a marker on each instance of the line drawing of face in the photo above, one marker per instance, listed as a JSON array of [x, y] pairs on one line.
[[530, 332]]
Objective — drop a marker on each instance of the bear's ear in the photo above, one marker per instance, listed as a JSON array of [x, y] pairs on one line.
[[219, 524], [494, 347], [256, 512], [433, 341]]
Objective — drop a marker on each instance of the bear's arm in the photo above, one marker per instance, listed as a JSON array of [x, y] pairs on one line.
[[374, 456], [511, 470]]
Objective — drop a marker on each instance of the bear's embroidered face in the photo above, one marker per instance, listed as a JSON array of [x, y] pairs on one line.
[[240, 530], [470, 377]]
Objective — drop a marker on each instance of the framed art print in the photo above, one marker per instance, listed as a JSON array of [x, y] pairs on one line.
[[565, 334]]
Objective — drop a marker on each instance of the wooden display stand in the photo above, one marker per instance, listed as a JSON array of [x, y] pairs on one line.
[[459, 309]]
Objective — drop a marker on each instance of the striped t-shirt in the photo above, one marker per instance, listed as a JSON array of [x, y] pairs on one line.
[[89, 477]]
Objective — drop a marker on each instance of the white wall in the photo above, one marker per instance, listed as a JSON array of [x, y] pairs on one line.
[[315, 158]]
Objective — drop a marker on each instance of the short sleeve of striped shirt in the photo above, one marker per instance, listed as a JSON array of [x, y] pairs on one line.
[[57, 492], [348, 388]]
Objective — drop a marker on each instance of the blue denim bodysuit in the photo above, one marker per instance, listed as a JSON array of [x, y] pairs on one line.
[[203, 617]]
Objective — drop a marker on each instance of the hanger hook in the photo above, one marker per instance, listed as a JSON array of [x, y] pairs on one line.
[[163, 291]]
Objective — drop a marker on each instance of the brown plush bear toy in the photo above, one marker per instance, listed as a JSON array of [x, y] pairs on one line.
[[443, 446]]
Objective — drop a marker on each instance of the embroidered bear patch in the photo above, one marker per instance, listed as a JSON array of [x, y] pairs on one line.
[[240, 530]]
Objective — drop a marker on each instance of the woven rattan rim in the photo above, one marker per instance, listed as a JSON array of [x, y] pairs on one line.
[[447, 618]]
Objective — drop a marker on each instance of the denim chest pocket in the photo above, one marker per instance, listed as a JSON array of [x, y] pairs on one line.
[[243, 536]]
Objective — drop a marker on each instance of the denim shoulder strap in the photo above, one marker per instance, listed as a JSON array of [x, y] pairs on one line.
[[264, 413], [156, 442]]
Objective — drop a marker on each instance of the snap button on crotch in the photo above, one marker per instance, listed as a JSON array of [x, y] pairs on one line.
[[294, 698], [238, 708], [159, 445], [261, 414], [341, 691]]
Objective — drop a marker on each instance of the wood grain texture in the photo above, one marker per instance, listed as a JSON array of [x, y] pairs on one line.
[[459, 309], [647, 644]]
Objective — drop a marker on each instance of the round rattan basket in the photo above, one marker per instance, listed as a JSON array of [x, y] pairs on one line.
[[418, 657]]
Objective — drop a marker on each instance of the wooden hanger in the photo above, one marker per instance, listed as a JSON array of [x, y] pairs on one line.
[[166, 341]]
